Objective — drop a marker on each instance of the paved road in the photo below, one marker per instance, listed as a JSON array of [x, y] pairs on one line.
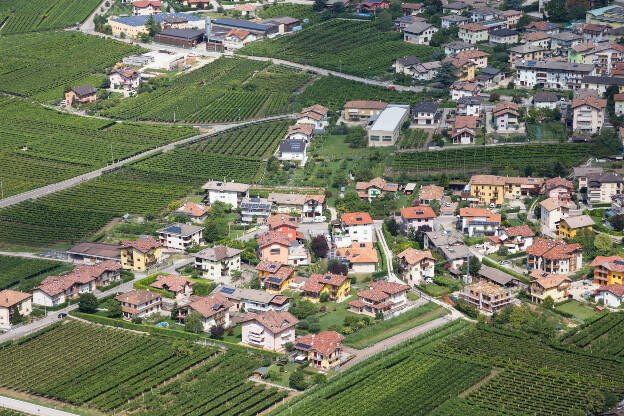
[[48, 189], [30, 408], [31, 256]]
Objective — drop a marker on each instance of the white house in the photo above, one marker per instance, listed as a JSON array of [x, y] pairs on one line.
[[517, 238], [10, 302], [416, 217], [612, 295], [552, 211], [419, 33], [145, 7], [425, 114], [505, 115], [253, 300], [226, 192], [469, 106], [125, 78], [180, 236], [237, 38], [460, 89], [214, 310], [301, 131], [358, 226], [271, 330], [416, 265], [315, 115], [478, 221], [217, 262], [360, 258], [139, 303], [545, 100], [387, 298], [293, 150], [313, 206]]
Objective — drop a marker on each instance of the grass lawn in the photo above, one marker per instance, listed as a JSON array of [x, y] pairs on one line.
[[335, 313], [287, 370], [577, 309], [385, 329], [236, 337], [334, 147]]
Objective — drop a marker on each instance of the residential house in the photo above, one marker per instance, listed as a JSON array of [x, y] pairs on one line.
[[486, 296], [302, 131], [294, 150], [337, 286], [227, 192], [237, 38], [410, 9], [493, 190], [494, 25], [479, 58], [464, 128], [381, 297], [611, 15], [455, 8], [374, 188], [602, 187], [255, 210], [461, 89], [554, 256], [252, 300], [614, 34], [511, 17], [139, 303], [484, 14], [360, 258], [315, 115], [291, 204], [416, 265], [457, 46], [552, 211], [429, 193], [489, 78], [362, 110], [214, 310], [274, 246], [406, 64], [611, 295], [372, 6], [419, 33], [358, 226], [180, 236], [593, 32], [82, 94], [588, 114], [323, 350], [469, 106], [196, 212], [404, 21], [125, 78], [473, 33], [450, 20], [558, 188], [497, 277], [608, 270], [525, 52], [517, 238], [581, 174], [505, 115], [550, 28], [387, 127], [12, 301], [93, 253], [285, 224], [177, 285], [478, 222], [551, 74], [538, 39], [141, 254], [426, 114], [246, 10], [274, 277], [618, 104], [145, 7], [454, 250], [218, 262], [504, 37], [570, 226], [544, 284], [563, 41], [464, 68], [313, 206], [545, 100], [270, 330], [416, 217], [600, 84], [604, 56]]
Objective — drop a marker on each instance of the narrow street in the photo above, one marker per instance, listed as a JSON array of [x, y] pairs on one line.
[[30, 408]]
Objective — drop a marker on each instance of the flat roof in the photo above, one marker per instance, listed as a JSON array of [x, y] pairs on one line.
[[389, 118]]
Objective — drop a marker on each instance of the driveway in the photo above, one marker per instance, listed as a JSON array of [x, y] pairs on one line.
[[30, 408]]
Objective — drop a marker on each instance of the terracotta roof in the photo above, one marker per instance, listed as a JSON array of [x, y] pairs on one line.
[[550, 204], [367, 105], [379, 183], [305, 128], [318, 198], [411, 5], [316, 108], [217, 253], [316, 282], [503, 107], [128, 72], [210, 305], [373, 295], [225, 186], [273, 237], [411, 213], [325, 342], [616, 288], [278, 220], [473, 27], [618, 97], [10, 298], [273, 321], [358, 253], [192, 209], [465, 122], [474, 212], [552, 249], [471, 54], [463, 86], [558, 182], [540, 25], [143, 245], [582, 47], [287, 199], [239, 33], [268, 266], [171, 282], [356, 218], [579, 221], [487, 180], [520, 231], [413, 256], [246, 7], [137, 297], [510, 13], [144, 3], [431, 192], [82, 274], [612, 263], [548, 280], [536, 36], [309, 114], [597, 103], [391, 288]]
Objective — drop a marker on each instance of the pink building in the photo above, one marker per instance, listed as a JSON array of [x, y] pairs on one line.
[[271, 330]]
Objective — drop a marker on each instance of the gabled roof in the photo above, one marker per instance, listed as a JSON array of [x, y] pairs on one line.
[[456, 5], [356, 218], [425, 107], [225, 186], [278, 220], [366, 105], [503, 32], [84, 90], [316, 282], [597, 103], [615, 288], [542, 26], [413, 256], [10, 298], [408, 60], [504, 107], [469, 122], [286, 199], [579, 221], [273, 321], [558, 182], [143, 245], [429, 192], [378, 183], [463, 85], [210, 305], [325, 342], [495, 275], [548, 280], [304, 128], [171, 283], [390, 288], [534, 36], [418, 27], [472, 27], [553, 249], [144, 3], [238, 33], [192, 209], [526, 48], [273, 237], [137, 297], [179, 229], [612, 263], [422, 212], [545, 97], [217, 253], [519, 231]]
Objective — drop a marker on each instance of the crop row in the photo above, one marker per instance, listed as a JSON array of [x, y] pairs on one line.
[[16, 269], [604, 335], [414, 138], [26, 16]]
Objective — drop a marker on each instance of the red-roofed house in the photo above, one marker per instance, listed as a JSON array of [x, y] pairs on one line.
[[140, 255], [371, 6], [478, 221], [145, 7], [559, 188], [464, 129], [612, 295], [416, 265], [358, 225], [359, 258], [274, 277], [274, 246], [554, 256], [214, 309], [323, 349], [608, 270], [10, 302], [544, 284], [197, 212], [126, 78], [177, 285], [374, 188], [284, 224], [139, 303], [315, 115], [383, 297], [336, 285], [237, 38], [416, 217], [517, 238], [271, 330]]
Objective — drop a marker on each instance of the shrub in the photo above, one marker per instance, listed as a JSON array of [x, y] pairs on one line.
[[88, 303]]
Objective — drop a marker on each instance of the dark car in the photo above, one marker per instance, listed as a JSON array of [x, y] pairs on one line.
[[62, 315]]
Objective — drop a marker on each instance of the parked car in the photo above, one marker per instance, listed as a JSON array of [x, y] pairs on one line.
[[61, 315], [320, 218]]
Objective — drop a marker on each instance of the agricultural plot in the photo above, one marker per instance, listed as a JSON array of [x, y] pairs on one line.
[[70, 59], [413, 138], [39, 146], [14, 270], [218, 387], [298, 11], [485, 158], [19, 16], [228, 89], [605, 335], [117, 365], [354, 47]]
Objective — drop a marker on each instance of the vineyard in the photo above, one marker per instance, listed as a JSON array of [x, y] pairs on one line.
[[218, 387], [298, 11], [18, 16], [228, 89], [17, 269], [604, 336], [39, 146], [43, 65], [117, 365], [353, 47], [413, 138], [484, 158]]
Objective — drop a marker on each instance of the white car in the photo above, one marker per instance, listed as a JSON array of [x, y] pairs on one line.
[[320, 218]]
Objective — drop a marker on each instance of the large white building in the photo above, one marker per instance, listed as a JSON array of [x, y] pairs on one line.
[[271, 330], [227, 192], [419, 33], [217, 262], [180, 236], [551, 75], [385, 130], [358, 226]]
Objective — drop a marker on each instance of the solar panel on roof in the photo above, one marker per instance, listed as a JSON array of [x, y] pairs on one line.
[[619, 262], [328, 277], [274, 280], [302, 345], [215, 307], [227, 290], [272, 266]]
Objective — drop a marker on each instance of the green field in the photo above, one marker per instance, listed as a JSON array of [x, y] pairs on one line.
[[413, 138], [353, 47], [43, 65], [18, 16], [577, 309], [15, 270], [604, 335]]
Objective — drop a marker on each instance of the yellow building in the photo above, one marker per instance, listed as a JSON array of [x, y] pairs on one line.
[[275, 277], [140, 255], [323, 349], [362, 110], [337, 286], [608, 270], [570, 226], [544, 284], [492, 189]]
